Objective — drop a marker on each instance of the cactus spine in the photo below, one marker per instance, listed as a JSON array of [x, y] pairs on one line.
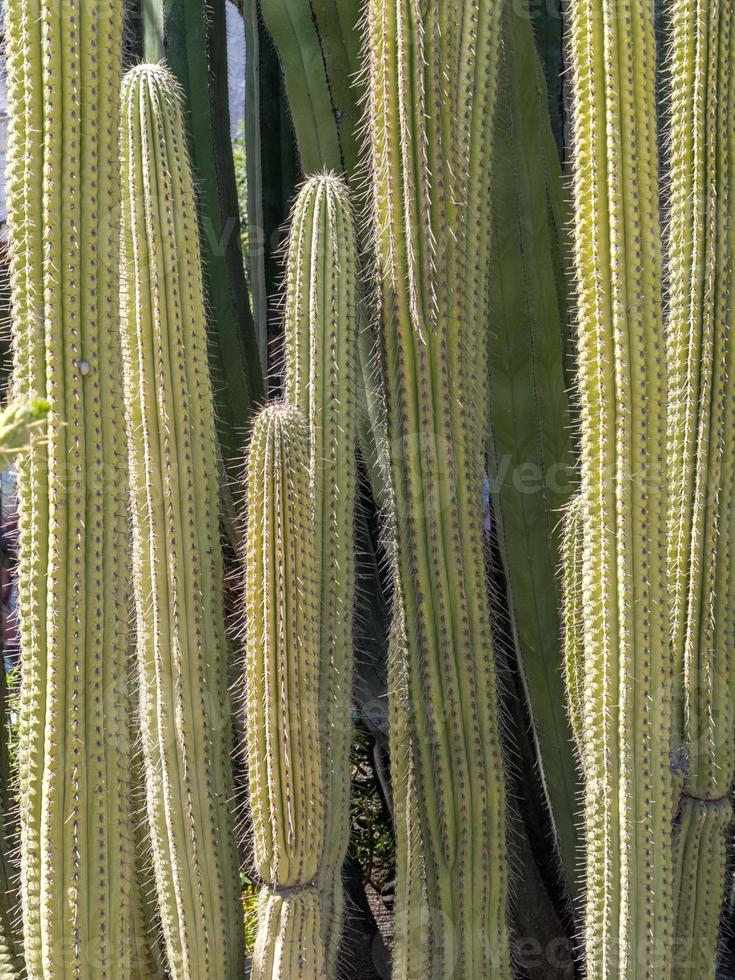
[[627, 707], [321, 365], [286, 771], [432, 84], [701, 358], [64, 64], [177, 563]]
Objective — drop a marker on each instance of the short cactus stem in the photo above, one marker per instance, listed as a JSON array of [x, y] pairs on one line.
[[431, 76], [628, 688], [701, 359], [321, 366], [285, 767], [63, 65], [182, 649]]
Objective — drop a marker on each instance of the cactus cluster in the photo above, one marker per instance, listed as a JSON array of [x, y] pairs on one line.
[[177, 564]]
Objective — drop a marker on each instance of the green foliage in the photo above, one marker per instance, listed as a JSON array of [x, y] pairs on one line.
[[177, 561]]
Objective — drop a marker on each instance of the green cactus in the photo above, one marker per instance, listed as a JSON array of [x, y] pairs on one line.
[[627, 710], [321, 365], [177, 562], [701, 359], [432, 82], [64, 65], [288, 778]]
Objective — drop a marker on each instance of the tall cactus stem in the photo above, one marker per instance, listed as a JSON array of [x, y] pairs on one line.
[[573, 619], [701, 358], [627, 708], [63, 67], [431, 73], [285, 767], [321, 369], [177, 561]]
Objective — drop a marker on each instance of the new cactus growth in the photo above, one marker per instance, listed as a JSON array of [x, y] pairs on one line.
[[431, 77], [701, 359], [177, 563], [627, 703], [287, 775], [63, 65], [321, 365]]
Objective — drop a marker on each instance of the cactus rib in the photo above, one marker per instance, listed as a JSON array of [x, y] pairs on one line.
[[432, 83], [64, 65], [621, 360], [177, 562], [287, 778]]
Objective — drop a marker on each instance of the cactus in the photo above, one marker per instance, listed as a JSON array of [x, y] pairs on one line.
[[432, 81], [286, 770], [627, 710], [177, 562], [530, 439], [321, 363], [701, 358], [63, 68], [192, 37]]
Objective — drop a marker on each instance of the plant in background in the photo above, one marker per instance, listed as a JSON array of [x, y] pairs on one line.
[[177, 560], [63, 72]]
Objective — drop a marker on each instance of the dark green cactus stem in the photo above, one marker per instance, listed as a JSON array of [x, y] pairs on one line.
[[432, 82], [192, 37], [321, 367], [11, 941], [530, 437], [318, 45], [177, 562], [64, 65], [285, 766], [701, 359], [627, 710]]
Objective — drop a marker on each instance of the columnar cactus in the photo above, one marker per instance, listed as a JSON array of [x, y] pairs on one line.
[[177, 563], [321, 366], [627, 703], [573, 619], [64, 64], [701, 359], [285, 766], [432, 81]]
